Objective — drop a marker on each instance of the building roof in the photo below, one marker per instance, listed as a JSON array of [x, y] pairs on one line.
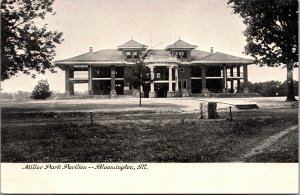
[[102, 55], [115, 56], [198, 55], [132, 44], [180, 44], [219, 57]]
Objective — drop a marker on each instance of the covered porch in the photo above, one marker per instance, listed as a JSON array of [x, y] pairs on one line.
[[218, 78], [107, 79]]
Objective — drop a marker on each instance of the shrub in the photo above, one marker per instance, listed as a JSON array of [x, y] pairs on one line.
[[270, 88], [41, 90]]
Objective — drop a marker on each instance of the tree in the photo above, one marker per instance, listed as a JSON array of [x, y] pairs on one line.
[[270, 88], [141, 73], [26, 47], [271, 33], [41, 90]]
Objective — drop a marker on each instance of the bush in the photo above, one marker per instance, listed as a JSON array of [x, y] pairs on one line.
[[41, 90], [270, 88], [5, 95]]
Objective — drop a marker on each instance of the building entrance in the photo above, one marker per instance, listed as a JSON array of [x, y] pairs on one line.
[[162, 90]]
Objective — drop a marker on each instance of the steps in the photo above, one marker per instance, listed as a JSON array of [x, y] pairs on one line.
[[246, 106]]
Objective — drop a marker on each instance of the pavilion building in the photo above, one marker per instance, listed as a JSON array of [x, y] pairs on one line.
[[177, 71]]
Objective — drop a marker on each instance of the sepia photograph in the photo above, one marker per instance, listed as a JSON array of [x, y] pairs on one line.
[[126, 84]]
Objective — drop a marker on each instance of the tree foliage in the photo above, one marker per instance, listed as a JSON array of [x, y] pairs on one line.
[[41, 90], [26, 47], [271, 33], [141, 73], [270, 88]]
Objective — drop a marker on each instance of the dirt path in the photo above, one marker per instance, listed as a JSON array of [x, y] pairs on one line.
[[268, 142]]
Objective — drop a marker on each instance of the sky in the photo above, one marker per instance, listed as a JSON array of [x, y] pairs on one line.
[[105, 24]]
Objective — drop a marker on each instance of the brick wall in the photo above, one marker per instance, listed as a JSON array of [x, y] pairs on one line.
[[185, 75], [127, 75]]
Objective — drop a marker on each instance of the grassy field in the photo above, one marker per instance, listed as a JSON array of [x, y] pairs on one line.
[[167, 132]]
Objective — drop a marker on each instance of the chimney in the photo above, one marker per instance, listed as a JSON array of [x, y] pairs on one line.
[[91, 49], [211, 50]]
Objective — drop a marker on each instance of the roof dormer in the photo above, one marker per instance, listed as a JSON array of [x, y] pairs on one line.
[[132, 49], [181, 50]]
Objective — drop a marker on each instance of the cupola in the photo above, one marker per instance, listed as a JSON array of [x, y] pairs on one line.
[[181, 50], [131, 50]]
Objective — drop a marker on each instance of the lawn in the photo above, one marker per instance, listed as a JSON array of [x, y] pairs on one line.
[[285, 150], [144, 135]]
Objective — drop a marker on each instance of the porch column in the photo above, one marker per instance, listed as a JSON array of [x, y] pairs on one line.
[[113, 93], [90, 78], [231, 81], [224, 79], [238, 73], [170, 93], [231, 86], [245, 70], [67, 80], [176, 78], [176, 84], [71, 84], [152, 78], [152, 93], [203, 72], [170, 78]]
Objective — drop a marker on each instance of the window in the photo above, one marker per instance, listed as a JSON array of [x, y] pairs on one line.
[[135, 55], [181, 54], [158, 75], [128, 55], [132, 55]]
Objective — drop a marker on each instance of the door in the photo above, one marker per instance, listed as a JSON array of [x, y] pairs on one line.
[[162, 90]]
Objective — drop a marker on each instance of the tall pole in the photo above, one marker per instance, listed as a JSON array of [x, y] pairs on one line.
[[141, 90]]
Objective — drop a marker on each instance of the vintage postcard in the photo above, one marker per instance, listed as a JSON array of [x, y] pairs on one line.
[[160, 96]]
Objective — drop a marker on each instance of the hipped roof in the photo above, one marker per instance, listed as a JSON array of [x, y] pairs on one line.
[[180, 44], [132, 44], [222, 57], [115, 56], [102, 55]]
